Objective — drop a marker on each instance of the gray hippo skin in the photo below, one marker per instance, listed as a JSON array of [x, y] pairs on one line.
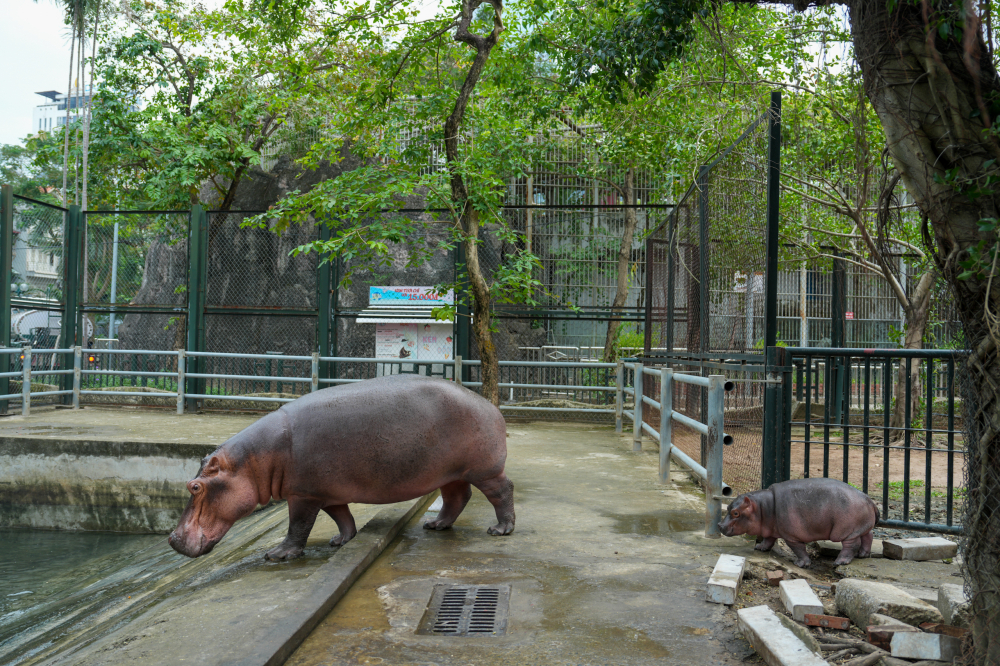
[[802, 511], [377, 441]]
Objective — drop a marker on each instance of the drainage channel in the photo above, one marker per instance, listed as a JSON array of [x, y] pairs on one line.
[[466, 610]]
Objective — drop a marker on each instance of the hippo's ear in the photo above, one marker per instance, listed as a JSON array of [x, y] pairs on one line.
[[211, 467], [749, 506]]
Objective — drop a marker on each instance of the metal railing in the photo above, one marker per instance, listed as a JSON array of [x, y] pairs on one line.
[[847, 415], [710, 474], [170, 377]]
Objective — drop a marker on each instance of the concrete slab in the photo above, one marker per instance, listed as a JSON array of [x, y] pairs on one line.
[[799, 599], [920, 550], [725, 579], [606, 566], [776, 644], [926, 646], [832, 549], [859, 599], [954, 605]]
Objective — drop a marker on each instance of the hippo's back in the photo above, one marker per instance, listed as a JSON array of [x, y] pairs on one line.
[[401, 430]]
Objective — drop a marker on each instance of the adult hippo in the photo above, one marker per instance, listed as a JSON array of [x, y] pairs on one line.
[[374, 442]]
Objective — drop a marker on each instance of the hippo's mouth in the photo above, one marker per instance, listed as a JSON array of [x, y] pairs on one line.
[[185, 547]]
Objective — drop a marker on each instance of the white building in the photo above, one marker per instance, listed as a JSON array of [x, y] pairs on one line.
[[52, 114]]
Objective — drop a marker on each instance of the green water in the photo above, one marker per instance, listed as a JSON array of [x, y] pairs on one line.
[[51, 580], [62, 591]]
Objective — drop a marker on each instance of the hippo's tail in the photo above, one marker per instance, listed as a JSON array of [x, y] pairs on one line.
[[878, 515]]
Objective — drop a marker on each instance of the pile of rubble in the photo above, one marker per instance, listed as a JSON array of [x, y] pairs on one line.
[[861, 623]]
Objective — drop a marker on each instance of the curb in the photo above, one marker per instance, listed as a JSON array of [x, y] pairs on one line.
[[333, 580]]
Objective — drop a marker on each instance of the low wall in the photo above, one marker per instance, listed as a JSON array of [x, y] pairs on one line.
[[95, 485]]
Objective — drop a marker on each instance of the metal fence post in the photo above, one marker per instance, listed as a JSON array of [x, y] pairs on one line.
[[773, 221], [6, 257], [77, 374], [713, 486], [773, 408], [197, 278], [458, 369], [70, 334], [619, 394], [323, 310], [637, 383], [26, 382], [181, 360], [315, 371], [666, 408]]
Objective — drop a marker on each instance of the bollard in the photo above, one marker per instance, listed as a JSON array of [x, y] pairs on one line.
[[637, 382], [315, 372], [77, 374], [666, 408], [181, 362], [458, 369], [26, 382], [619, 394], [713, 457]]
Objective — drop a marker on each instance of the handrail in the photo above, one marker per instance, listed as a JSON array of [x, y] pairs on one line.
[[710, 476]]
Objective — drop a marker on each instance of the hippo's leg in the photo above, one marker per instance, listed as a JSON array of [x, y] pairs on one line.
[[866, 544], [454, 497], [799, 548], [849, 549], [301, 516], [499, 490], [765, 544], [341, 515]]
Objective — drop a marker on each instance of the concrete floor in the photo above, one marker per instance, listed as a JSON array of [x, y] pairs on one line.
[[606, 567], [123, 424]]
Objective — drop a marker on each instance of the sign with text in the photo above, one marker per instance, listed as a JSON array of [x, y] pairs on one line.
[[409, 296]]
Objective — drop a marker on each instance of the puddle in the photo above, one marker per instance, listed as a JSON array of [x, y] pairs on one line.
[[664, 522]]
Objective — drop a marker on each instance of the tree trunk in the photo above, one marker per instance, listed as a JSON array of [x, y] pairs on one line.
[[931, 97], [624, 256], [916, 312], [469, 218]]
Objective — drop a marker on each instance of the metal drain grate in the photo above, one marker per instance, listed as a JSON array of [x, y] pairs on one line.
[[466, 610]]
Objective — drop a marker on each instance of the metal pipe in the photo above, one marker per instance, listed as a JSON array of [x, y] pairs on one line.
[[26, 382], [181, 360], [77, 367], [691, 379], [666, 410], [619, 397], [315, 371], [713, 507], [114, 281], [651, 431], [698, 426], [637, 418]]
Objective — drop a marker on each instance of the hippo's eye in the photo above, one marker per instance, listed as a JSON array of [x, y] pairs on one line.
[[736, 514], [195, 487]]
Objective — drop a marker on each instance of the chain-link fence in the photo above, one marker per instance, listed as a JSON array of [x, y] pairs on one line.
[[707, 305], [980, 546]]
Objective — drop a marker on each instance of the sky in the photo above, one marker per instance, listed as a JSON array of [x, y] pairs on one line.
[[34, 50]]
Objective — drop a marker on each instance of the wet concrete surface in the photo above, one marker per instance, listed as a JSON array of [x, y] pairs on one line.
[[121, 424], [606, 566]]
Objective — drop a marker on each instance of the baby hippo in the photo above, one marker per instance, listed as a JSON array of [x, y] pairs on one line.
[[802, 511]]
